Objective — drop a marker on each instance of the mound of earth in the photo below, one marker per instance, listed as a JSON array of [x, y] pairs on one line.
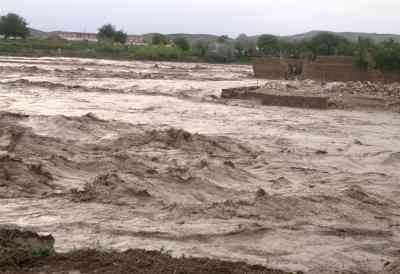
[[133, 261], [18, 247], [27, 252]]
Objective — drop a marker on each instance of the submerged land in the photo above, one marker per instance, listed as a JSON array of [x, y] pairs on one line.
[[119, 155]]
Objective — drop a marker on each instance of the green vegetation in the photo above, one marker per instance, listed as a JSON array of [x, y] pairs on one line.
[[245, 47], [109, 33], [42, 253], [387, 56], [328, 44], [269, 45], [159, 39], [86, 49], [367, 54], [12, 25], [182, 43], [384, 56]]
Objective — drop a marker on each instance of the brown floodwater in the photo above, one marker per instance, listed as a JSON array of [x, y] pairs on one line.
[[162, 163]]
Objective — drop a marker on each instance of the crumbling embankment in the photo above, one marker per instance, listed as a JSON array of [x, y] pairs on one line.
[[23, 252], [311, 94]]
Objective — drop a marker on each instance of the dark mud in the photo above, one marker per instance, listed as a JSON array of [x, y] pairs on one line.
[[132, 261], [23, 251]]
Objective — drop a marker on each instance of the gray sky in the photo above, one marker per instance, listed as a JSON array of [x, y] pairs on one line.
[[280, 17]]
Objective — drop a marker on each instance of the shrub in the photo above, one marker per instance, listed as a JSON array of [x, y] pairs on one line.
[[182, 43]]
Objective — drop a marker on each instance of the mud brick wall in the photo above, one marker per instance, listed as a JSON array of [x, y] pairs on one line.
[[324, 68], [343, 69], [236, 93], [335, 69], [390, 77], [270, 68], [295, 101], [253, 93]]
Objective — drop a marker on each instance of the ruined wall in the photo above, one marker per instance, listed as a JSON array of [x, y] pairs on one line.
[[269, 68], [324, 68], [390, 77], [265, 97], [276, 68], [335, 68], [295, 101]]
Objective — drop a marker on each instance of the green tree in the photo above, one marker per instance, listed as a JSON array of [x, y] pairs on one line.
[[106, 32], [245, 46], [120, 37], [268, 45], [13, 25], [182, 43], [159, 39], [222, 53], [109, 33], [202, 46], [295, 49], [387, 56], [363, 53], [329, 44]]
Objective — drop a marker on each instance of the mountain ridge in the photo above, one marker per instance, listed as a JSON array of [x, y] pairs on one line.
[[352, 36]]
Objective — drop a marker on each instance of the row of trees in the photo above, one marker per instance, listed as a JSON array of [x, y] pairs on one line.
[[159, 39], [326, 44], [384, 56], [366, 53]]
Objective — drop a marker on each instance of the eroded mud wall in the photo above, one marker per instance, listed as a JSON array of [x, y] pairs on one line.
[[336, 68], [270, 68], [324, 68]]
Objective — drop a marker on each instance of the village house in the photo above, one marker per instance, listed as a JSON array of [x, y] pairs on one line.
[[77, 36], [84, 36], [135, 40]]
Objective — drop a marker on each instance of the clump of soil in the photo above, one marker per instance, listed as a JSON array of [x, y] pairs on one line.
[[18, 247]]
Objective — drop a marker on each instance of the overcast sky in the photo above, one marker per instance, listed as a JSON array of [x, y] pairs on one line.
[[280, 17]]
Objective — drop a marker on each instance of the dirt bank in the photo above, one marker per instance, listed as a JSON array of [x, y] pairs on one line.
[[25, 251]]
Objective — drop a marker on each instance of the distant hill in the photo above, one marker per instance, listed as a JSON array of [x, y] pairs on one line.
[[37, 33], [352, 36], [192, 38]]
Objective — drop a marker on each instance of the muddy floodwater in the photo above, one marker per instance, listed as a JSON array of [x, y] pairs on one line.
[[120, 155]]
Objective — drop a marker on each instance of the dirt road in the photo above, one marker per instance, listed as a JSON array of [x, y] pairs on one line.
[[144, 155]]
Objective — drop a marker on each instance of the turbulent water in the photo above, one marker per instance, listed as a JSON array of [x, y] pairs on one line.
[[122, 155]]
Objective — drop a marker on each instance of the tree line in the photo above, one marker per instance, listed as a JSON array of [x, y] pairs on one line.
[[366, 53]]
